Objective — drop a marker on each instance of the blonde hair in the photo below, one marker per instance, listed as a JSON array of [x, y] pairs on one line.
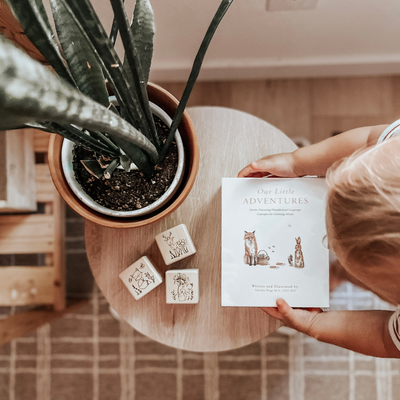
[[363, 204]]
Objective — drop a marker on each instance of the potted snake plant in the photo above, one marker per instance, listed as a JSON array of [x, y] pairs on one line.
[[138, 137]]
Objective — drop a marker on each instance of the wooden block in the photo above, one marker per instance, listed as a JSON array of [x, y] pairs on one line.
[[175, 244], [182, 286], [141, 277], [17, 171]]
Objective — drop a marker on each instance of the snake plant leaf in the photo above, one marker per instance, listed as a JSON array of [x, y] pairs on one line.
[[81, 139], [86, 140], [33, 18], [30, 92], [93, 167], [104, 139], [136, 155], [125, 161], [112, 65], [79, 55], [143, 34], [194, 73], [137, 76], [111, 168], [114, 31]]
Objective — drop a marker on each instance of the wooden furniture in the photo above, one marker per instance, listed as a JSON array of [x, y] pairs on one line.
[[17, 171], [228, 140], [11, 28], [42, 234]]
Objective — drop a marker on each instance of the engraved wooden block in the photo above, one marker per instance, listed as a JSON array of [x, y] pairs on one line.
[[175, 244], [182, 286], [141, 277]]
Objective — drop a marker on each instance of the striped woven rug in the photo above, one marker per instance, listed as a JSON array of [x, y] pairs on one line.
[[90, 355]]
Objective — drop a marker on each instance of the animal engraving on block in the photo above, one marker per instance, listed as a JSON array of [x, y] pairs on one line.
[[298, 254], [184, 291], [139, 280], [176, 249], [251, 254]]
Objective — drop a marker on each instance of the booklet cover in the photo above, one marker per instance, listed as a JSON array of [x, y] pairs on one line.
[[274, 242]]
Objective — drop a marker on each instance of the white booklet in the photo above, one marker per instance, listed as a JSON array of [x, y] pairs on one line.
[[274, 242]]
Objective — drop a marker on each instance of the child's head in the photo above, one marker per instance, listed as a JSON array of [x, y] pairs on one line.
[[363, 216]]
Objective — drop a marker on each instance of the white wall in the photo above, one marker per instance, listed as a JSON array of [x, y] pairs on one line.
[[339, 37]]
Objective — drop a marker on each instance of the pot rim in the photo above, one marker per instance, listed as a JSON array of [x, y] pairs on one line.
[[66, 158], [168, 103]]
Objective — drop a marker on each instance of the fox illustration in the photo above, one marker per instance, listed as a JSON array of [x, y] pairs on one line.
[[251, 254], [250, 248]]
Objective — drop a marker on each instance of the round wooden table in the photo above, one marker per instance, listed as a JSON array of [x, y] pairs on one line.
[[228, 140]]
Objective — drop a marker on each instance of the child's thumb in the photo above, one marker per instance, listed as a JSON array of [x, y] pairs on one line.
[[284, 308], [258, 165]]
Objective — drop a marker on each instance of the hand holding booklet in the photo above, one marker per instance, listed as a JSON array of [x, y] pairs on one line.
[[274, 242]]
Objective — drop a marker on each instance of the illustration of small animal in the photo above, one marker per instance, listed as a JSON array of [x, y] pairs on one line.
[[290, 259], [250, 248], [251, 254], [140, 280], [185, 290], [298, 254], [176, 249]]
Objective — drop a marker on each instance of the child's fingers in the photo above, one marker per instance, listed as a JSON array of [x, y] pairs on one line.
[[284, 308], [256, 169], [273, 312]]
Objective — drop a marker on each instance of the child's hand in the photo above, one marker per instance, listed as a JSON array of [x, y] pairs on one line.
[[300, 319], [281, 165]]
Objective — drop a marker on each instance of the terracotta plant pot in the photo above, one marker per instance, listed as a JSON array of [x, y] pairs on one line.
[[168, 103]]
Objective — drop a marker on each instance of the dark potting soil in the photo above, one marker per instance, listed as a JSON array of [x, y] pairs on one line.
[[127, 191]]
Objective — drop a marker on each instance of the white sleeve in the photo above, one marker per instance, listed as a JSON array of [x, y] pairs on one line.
[[394, 327], [390, 131]]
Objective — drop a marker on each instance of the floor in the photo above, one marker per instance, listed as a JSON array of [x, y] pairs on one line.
[[88, 355], [310, 108]]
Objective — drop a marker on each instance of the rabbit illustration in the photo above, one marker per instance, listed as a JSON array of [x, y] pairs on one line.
[[298, 254]]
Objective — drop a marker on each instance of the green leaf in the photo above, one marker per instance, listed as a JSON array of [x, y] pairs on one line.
[[114, 31], [125, 161], [198, 61], [86, 140], [138, 79], [136, 155], [142, 29], [112, 65], [33, 19], [93, 167], [111, 168], [80, 57], [29, 92]]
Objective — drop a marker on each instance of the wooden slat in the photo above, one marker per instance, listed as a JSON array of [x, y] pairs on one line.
[[41, 141], [20, 286], [17, 183], [59, 288], [24, 234], [45, 189], [22, 323], [12, 29]]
